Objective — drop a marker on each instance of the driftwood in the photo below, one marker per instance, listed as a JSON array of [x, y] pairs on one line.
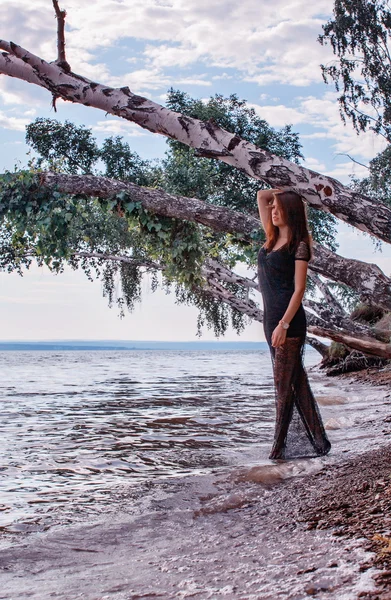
[[368, 346]]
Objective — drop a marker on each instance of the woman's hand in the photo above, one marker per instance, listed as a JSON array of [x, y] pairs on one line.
[[264, 197], [278, 337]]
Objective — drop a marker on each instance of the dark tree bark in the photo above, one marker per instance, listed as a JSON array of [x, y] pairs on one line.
[[367, 280]]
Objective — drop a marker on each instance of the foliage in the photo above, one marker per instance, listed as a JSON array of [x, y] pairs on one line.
[[213, 180], [359, 35], [213, 313], [367, 314], [347, 297], [378, 182], [62, 146], [123, 164], [57, 229]]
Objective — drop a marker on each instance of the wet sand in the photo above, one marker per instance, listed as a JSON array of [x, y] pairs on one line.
[[289, 530]]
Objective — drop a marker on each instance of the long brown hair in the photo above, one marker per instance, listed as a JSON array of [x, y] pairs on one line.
[[293, 212]]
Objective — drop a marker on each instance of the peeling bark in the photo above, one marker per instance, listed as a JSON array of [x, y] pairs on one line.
[[149, 265], [320, 192], [373, 286], [219, 292], [223, 273], [155, 200], [323, 349], [61, 57], [330, 318]]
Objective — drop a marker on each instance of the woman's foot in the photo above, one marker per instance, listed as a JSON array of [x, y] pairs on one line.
[[325, 449], [277, 455]]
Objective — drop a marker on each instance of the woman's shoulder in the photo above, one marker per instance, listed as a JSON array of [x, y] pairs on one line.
[[303, 251]]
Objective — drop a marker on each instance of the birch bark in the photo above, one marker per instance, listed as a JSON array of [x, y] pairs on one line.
[[320, 192]]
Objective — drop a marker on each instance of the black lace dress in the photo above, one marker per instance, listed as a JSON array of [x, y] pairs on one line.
[[299, 429]]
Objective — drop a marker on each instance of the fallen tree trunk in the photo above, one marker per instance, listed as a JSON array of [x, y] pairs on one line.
[[372, 285], [339, 321], [353, 361], [365, 345], [215, 273], [323, 349], [321, 192]]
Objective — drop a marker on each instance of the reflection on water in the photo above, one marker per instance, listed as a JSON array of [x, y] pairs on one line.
[[76, 424]]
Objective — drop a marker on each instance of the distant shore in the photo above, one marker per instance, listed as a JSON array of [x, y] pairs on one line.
[[109, 345]]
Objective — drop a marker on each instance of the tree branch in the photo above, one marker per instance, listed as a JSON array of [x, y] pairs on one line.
[[135, 262], [60, 15], [323, 349], [225, 274], [339, 321], [366, 279], [330, 298], [356, 339], [352, 159], [247, 307]]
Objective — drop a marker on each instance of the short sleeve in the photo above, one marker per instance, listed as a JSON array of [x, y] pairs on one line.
[[303, 252]]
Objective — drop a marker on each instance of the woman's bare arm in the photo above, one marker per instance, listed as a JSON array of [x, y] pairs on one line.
[[301, 268], [264, 197], [279, 334]]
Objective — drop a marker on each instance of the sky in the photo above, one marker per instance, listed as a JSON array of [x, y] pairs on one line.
[[265, 52]]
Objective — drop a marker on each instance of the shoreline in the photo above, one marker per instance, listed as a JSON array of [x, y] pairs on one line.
[[306, 524], [377, 376], [353, 500]]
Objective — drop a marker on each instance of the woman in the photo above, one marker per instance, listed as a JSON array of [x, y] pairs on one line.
[[282, 274]]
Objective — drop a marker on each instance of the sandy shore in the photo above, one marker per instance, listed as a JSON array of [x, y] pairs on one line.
[[291, 530]]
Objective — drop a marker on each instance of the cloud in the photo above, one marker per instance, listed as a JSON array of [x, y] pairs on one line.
[[222, 76], [344, 170], [314, 164], [9, 97], [267, 42], [322, 114], [119, 127], [30, 25], [15, 94], [15, 123], [143, 80], [280, 115]]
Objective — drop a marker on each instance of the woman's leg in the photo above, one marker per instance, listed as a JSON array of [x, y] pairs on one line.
[[293, 391], [309, 412], [286, 363]]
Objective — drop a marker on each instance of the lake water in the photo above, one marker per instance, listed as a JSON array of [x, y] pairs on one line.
[[74, 425]]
